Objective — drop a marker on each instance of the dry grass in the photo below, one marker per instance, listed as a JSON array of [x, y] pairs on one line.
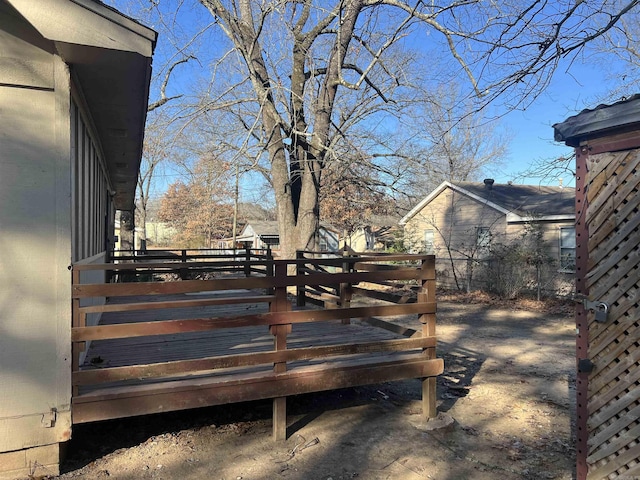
[[550, 306]]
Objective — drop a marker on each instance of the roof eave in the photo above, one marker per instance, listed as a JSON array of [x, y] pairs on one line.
[[110, 55], [515, 218], [601, 121]]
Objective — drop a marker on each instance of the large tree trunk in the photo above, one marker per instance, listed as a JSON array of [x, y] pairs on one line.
[[127, 230], [297, 165]]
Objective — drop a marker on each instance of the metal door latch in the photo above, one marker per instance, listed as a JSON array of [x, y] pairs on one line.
[[601, 309]]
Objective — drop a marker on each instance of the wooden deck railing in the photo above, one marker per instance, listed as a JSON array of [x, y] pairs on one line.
[[159, 310], [241, 260]]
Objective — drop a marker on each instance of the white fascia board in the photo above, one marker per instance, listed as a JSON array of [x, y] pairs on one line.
[[86, 22], [425, 201], [513, 218], [456, 188]]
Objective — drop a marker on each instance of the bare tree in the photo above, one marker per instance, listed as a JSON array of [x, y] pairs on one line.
[[449, 141], [352, 194], [303, 63]]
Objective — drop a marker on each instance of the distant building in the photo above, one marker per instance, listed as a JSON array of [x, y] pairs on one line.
[[458, 222], [265, 234]]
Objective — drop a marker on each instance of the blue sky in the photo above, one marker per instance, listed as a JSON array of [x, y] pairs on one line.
[[530, 131], [583, 86]]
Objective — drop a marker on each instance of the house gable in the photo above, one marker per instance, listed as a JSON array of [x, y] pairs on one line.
[[520, 203], [450, 221], [441, 188]]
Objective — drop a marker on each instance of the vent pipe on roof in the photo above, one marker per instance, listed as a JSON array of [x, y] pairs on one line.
[[488, 182]]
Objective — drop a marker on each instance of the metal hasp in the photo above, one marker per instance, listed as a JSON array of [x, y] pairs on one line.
[[601, 309]]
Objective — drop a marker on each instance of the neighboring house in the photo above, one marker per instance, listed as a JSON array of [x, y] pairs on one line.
[[74, 83], [158, 234], [265, 234], [260, 234], [378, 234], [460, 222]]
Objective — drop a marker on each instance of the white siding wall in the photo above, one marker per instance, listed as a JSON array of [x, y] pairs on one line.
[[35, 240]]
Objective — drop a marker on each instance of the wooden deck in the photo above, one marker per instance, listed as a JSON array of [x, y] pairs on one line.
[[168, 346]]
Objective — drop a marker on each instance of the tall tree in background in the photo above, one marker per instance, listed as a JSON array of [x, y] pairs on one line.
[[200, 210], [351, 195], [304, 63], [450, 142]]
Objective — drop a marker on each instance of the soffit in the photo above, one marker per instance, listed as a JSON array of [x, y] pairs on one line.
[[110, 56]]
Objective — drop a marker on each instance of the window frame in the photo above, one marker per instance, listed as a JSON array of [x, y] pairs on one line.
[[429, 246], [483, 240], [563, 266]]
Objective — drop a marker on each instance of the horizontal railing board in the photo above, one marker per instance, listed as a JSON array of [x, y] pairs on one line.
[[119, 267], [336, 262], [101, 332], [187, 286], [104, 375], [127, 307], [170, 396]]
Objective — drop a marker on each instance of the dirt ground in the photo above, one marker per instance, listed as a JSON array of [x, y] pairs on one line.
[[508, 386]]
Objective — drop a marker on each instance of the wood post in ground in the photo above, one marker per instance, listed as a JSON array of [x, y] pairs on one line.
[[280, 304], [427, 293]]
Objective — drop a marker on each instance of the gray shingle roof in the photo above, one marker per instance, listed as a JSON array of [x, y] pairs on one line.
[[265, 227], [602, 120], [526, 200]]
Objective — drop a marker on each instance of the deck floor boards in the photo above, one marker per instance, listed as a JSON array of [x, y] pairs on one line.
[[219, 342]]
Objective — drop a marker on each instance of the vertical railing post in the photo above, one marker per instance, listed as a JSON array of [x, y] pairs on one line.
[[427, 293], [301, 297], [184, 271], [108, 258], [247, 264], [270, 269], [280, 304], [346, 291]]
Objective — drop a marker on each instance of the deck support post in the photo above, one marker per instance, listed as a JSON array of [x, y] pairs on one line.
[[280, 304], [427, 293]]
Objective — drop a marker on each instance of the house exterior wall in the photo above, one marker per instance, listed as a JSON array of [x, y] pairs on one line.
[[35, 240], [454, 219], [358, 241], [550, 236], [328, 240]]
